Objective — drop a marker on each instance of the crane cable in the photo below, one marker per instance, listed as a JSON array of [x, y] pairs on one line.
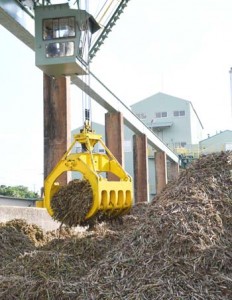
[[86, 99], [105, 12]]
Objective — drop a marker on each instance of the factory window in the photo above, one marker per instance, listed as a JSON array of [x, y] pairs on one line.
[[141, 116], [101, 150], [179, 113], [183, 144], [162, 114], [78, 149], [180, 144], [182, 113], [58, 28]]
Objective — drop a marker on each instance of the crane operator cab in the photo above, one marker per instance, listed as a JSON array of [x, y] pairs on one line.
[[62, 38]]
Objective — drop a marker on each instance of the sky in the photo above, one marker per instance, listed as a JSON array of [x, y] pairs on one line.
[[181, 47]]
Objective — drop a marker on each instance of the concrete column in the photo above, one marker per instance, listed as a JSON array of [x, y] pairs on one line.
[[56, 122], [173, 170], [160, 170], [114, 132], [140, 168]]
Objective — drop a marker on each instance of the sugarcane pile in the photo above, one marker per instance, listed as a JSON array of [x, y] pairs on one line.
[[12, 242], [72, 202], [41, 272], [178, 247], [32, 231], [182, 249], [18, 237]]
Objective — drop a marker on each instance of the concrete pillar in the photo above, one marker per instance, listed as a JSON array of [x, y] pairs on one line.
[[160, 170], [114, 132], [140, 168], [56, 122], [173, 170]]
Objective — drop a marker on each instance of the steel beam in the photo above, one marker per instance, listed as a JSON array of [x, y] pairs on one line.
[[15, 19], [107, 29], [114, 104]]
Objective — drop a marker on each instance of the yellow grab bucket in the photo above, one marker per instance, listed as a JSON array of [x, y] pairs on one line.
[[112, 198]]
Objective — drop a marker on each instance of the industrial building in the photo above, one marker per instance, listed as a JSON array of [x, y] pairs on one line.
[[174, 120], [221, 141], [16, 201]]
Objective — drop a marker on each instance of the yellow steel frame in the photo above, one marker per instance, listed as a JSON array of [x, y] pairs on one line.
[[113, 198]]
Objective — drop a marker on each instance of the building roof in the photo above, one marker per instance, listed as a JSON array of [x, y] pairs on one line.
[[196, 114], [221, 133], [159, 95], [160, 124], [18, 198]]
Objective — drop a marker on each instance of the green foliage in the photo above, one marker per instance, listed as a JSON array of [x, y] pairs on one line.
[[17, 191]]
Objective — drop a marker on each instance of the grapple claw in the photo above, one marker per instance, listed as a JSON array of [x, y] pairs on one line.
[[111, 199]]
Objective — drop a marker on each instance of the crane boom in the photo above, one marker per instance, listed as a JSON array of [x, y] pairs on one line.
[[104, 34]]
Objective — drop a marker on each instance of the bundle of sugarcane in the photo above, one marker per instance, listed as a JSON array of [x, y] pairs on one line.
[[72, 202]]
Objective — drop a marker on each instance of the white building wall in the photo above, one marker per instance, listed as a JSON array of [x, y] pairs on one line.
[[217, 143], [180, 129], [183, 127], [12, 201]]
